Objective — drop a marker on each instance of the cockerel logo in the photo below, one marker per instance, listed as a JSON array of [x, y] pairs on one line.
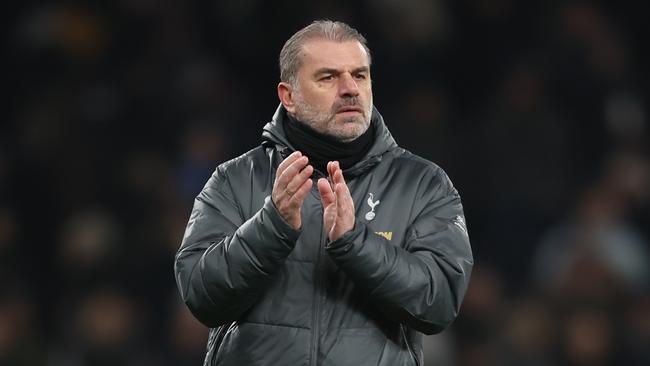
[[371, 214]]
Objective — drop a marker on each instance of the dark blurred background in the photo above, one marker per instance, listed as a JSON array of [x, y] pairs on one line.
[[117, 112]]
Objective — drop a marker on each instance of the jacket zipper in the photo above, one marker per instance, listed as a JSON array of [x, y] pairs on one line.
[[214, 341], [315, 339], [408, 345]]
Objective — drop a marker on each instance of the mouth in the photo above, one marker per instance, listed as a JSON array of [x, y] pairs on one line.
[[349, 109]]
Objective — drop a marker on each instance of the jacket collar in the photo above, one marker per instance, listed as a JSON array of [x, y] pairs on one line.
[[273, 135]]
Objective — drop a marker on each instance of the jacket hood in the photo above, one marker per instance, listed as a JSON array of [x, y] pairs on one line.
[[273, 134]]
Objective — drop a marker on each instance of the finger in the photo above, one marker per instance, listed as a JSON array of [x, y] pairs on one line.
[[346, 197], [286, 162], [301, 193], [344, 200], [299, 179], [334, 177], [331, 168], [291, 171], [337, 175], [327, 196]]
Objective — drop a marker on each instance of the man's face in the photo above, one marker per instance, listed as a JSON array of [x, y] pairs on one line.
[[333, 91]]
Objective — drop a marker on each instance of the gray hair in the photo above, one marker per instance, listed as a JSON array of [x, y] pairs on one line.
[[290, 59]]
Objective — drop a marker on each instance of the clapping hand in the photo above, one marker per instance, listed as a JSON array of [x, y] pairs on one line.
[[338, 206]]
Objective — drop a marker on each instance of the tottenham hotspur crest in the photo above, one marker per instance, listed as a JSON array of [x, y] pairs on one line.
[[371, 214]]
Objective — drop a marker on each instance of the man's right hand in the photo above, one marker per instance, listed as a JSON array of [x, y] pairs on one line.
[[291, 186]]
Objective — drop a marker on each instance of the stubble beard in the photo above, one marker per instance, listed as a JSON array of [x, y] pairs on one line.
[[326, 123]]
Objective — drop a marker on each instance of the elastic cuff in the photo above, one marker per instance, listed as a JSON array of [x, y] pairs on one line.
[[279, 224], [344, 243]]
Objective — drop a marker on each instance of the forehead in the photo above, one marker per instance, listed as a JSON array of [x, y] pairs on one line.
[[320, 53]]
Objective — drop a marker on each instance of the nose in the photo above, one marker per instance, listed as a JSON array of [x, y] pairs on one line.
[[348, 86]]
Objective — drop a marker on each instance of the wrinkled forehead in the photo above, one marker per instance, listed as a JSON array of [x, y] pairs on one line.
[[321, 53]]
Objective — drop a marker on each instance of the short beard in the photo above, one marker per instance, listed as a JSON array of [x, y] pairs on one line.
[[321, 121]]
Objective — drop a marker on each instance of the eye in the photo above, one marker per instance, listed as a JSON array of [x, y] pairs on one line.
[[327, 77], [360, 76]]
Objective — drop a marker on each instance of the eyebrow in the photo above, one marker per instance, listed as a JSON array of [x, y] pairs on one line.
[[327, 70]]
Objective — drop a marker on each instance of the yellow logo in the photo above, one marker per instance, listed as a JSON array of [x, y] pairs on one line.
[[386, 234]]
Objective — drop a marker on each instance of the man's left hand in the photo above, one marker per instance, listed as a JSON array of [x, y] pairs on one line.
[[338, 206]]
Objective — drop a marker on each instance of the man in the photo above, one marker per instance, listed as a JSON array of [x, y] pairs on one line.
[[328, 244]]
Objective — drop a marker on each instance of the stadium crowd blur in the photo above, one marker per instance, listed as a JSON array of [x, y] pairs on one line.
[[118, 112]]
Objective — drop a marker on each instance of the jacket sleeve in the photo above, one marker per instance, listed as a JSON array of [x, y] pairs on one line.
[[225, 261], [421, 284]]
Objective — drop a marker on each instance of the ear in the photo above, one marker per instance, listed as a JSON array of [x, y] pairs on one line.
[[285, 93]]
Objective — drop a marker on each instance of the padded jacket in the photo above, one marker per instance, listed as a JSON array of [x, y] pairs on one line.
[[277, 296]]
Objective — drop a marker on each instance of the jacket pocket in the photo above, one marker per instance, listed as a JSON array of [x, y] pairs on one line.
[[364, 346], [262, 345]]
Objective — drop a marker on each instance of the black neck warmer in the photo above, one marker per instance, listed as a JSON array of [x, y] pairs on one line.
[[320, 148]]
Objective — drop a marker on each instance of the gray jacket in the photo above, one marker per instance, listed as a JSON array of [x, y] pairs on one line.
[[276, 296]]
